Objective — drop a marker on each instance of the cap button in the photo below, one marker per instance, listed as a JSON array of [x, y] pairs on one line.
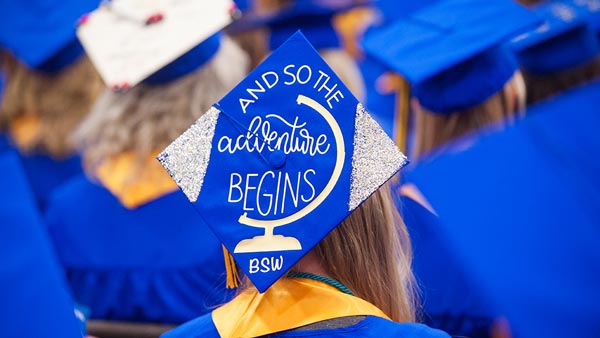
[[277, 159]]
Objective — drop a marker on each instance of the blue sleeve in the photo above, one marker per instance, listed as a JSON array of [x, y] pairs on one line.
[[35, 301], [201, 327]]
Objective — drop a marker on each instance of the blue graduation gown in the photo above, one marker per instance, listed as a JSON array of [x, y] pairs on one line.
[[156, 263], [521, 212], [34, 298], [4, 142], [451, 299], [45, 173], [370, 327]]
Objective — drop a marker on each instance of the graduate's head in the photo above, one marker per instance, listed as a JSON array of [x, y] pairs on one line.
[[152, 97], [316, 18], [149, 116], [50, 83], [280, 162], [562, 52], [453, 54], [370, 253], [433, 129]]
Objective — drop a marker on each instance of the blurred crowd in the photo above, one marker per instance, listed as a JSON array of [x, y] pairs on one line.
[[496, 104]]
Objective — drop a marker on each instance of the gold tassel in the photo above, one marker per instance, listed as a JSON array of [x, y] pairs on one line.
[[401, 116], [402, 113], [233, 279]]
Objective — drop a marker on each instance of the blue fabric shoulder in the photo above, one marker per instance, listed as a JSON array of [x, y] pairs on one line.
[[201, 327], [156, 263], [45, 173], [4, 142], [370, 327], [35, 302], [451, 299]]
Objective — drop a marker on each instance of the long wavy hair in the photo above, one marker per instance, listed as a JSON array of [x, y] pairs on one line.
[[433, 129], [370, 253], [149, 117], [346, 69], [59, 102]]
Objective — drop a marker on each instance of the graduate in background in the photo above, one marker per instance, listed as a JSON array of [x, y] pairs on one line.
[[387, 95], [521, 215], [463, 78], [133, 250], [563, 52], [335, 259], [51, 85], [464, 81], [278, 19]]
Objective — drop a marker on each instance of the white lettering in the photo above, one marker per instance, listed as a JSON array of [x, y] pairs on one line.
[[253, 265]]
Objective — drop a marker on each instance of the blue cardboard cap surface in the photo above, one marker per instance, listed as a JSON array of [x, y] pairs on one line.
[[313, 17], [391, 10], [454, 44], [520, 210], [281, 160], [35, 31], [565, 39]]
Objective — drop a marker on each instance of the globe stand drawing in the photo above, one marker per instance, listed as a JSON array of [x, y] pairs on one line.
[[267, 242], [270, 242]]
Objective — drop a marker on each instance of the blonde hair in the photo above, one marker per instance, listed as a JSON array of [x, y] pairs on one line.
[[433, 129], [346, 69], [370, 253], [60, 101], [149, 117]]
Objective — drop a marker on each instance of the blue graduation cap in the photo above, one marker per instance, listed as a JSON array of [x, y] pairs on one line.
[[520, 210], [451, 51], [391, 10], [129, 43], [188, 62], [281, 160], [313, 17], [565, 39], [41, 33]]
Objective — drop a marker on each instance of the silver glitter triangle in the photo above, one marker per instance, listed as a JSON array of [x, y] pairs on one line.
[[187, 158], [376, 158]]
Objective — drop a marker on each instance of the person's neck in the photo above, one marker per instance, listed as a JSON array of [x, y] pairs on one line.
[[311, 263]]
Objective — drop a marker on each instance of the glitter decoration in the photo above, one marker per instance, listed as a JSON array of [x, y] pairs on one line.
[[375, 159], [186, 159]]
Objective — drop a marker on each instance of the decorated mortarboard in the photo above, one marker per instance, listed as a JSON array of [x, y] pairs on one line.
[[521, 213], [281, 160], [451, 51], [564, 40], [41, 33], [132, 40]]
